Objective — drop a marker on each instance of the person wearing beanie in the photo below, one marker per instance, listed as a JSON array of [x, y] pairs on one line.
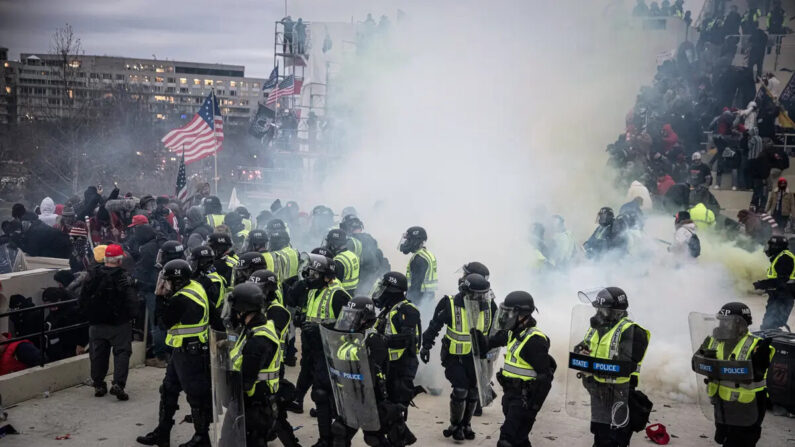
[[685, 231], [109, 301], [780, 204], [69, 343]]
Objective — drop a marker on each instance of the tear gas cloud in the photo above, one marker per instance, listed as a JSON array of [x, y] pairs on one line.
[[482, 117]]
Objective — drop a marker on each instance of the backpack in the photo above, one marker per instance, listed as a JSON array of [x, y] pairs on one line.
[[694, 245], [103, 296]]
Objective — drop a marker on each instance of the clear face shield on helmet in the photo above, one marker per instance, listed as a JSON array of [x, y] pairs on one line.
[[730, 327], [506, 318], [164, 287], [350, 320], [378, 291], [241, 274]]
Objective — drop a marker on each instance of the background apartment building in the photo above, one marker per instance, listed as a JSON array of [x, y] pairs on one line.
[[35, 87]]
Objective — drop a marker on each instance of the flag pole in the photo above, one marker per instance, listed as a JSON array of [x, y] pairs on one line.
[[215, 141]]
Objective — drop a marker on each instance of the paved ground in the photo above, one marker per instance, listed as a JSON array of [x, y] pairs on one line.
[[107, 422]]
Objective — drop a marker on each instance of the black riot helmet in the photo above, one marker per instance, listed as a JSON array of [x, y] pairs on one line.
[[266, 280], [278, 239], [169, 251], [336, 241], [274, 225], [350, 223], [516, 305], [390, 289], [200, 258], [733, 321], [317, 270], [257, 240], [246, 298], [475, 267], [243, 212], [248, 264], [474, 283], [212, 205], [357, 316], [610, 302], [775, 245], [323, 252], [605, 216], [412, 240], [220, 243], [234, 221], [174, 276]]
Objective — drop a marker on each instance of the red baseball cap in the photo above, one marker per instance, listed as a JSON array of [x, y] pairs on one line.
[[113, 250], [658, 434], [139, 219]]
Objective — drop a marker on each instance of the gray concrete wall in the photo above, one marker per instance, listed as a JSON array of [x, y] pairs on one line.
[[33, 382]]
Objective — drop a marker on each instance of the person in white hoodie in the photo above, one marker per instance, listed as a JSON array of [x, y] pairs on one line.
[[636, 189], [47, 209], [685, 231]]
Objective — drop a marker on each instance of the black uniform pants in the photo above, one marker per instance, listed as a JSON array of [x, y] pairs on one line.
[[519, 419], [733, 436], [460, 371], [322, 395], [605, 436], [400, 379], [189, 372], [305, 375]]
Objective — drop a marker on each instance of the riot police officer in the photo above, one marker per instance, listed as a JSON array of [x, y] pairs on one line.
[[421, 269], [257, 241], [608, 236], [225, 257], [257, 355], [371, 349], [200, 259], [365, 247], [246, 218], [399, 321], [289, 263], [213, 212], [185, 312], [321, 297], [739, 406], [289, 259], [457, 360], [248, 264], [347, 263], [528, 372], [612, 336], [274, 307], [779, 274], [169, 251]]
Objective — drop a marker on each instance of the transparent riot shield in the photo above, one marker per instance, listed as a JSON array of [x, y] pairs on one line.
[[597, 381], [351, 377], [723, 368], [229, 419], [480, 316]]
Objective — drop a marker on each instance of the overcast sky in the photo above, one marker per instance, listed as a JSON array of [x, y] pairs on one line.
[[233, 32]]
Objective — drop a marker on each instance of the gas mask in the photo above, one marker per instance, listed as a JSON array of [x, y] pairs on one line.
[[730, 327], [313, 278], [606, 317]]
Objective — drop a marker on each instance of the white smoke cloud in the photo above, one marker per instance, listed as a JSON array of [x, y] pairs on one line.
[[485, 117]]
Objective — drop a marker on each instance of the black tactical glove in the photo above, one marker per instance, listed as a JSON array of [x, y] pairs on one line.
[[425, 355]]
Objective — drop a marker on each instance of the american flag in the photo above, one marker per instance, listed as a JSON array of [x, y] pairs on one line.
[[285, 88], [182, 181], [202, 136]]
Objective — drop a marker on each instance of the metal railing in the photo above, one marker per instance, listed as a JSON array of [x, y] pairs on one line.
[[44, 333], [775, 42], [788, 146]]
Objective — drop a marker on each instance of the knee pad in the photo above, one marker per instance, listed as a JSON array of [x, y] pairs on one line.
[[472, 394], [459, 394], [319, 395], [504, 443], [338, 429]]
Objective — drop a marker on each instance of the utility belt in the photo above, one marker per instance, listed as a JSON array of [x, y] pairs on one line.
[[512, 384], [194, 347]]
